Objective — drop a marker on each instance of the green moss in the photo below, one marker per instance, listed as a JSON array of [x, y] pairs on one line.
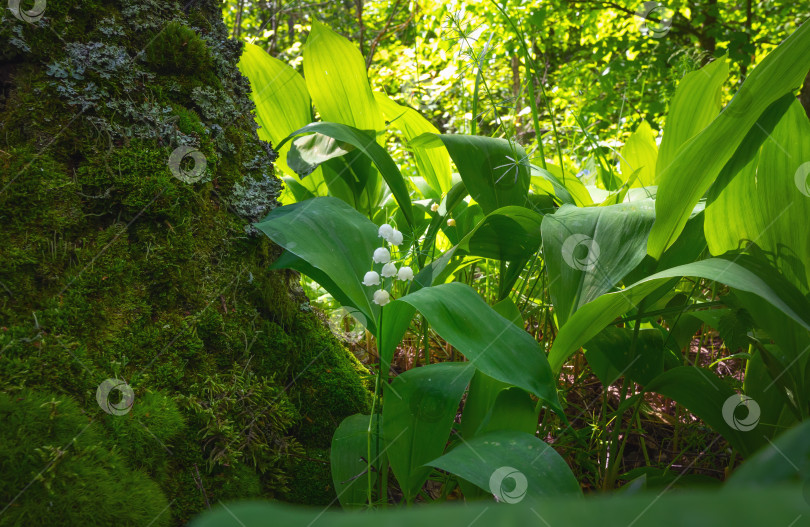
[[144, 433], [114, 268], [178, 50], [313, 485], [67, 468]]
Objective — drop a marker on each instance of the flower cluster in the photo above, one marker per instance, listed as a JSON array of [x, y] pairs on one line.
[[389, 270]]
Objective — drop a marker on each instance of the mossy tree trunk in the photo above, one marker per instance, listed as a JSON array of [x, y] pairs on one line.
[[130, 171]]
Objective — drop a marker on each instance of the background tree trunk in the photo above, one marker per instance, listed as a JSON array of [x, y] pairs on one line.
[[120, 263]]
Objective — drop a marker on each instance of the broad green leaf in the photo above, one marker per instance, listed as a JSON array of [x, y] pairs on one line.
[[420, 405], [431, 273], [513, 410], [589, 320], [699, 161], [309, 151], [508, 310], [281, 98], [771, 506], [615, 344], [509, 233], [762, 196], [786, 459], [573, 184], [490, 342], [480, 398], [348, 461], [336, 78], [638, 157], [708, 397], [449, 203], [512, 466], [352, 178], [298, 191], [368, 147], [495, 171], [334, 239], [696, 102], [545, 181], [589, 250], [777, 408], [397, 318], [432, 163]]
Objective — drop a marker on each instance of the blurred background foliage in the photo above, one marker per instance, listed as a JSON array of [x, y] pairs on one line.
[[603, 71]]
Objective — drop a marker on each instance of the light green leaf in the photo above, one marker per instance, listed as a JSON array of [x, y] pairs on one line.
[[758, 198], [336, 78], [281, 98], [687, 178], [420, 405], [696, 102], [432, 163], [639, 155]]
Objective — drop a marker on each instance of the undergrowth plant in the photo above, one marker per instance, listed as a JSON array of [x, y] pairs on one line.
[[633, 256]]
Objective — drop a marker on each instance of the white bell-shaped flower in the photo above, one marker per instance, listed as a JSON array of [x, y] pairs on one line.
[[371, 278], [389, 270], [381, 255], [385, 231], [396, 238], [435, 207], [381, 297], [405, 273]]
